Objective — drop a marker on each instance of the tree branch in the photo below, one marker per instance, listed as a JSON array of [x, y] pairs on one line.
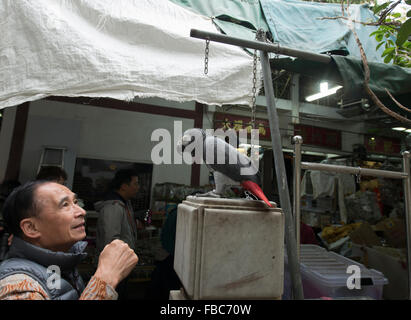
[[376, 24], [373, 96], [387, 11], [396, 102], [367, 79]]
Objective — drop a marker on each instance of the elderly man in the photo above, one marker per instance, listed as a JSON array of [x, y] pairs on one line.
[[48, 226]]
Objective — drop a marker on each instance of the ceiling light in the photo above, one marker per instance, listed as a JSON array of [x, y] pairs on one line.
[[246, 145], [324, 91], [408, 130], [398, 129]]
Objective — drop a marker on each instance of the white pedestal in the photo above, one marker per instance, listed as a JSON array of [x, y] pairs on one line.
[[229, 249]]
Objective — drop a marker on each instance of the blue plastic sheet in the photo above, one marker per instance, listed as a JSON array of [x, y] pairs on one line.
[[301, 25]]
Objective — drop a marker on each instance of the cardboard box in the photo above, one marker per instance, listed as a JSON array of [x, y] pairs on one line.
[[394, 268], [394, 232], [365, 235]]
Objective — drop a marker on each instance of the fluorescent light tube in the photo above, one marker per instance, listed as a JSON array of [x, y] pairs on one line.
[[324, 91]]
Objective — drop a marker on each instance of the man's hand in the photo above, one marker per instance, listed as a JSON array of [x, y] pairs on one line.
[[9, 240], [115, 263]]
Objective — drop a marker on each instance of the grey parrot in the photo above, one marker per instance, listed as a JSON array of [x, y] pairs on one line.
[[229, 166]]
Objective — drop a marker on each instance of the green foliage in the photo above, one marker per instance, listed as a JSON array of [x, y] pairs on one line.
[[394, 33], [404, 32], [381, 7]]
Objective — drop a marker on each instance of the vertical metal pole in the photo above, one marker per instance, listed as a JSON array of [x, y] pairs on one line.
[[293, 263], [298, 140], [295, 98], [407, 203]]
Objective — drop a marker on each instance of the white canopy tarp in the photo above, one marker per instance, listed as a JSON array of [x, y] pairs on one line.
[[117, 49]]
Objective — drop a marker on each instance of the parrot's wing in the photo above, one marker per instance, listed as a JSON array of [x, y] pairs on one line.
[[224, 158]]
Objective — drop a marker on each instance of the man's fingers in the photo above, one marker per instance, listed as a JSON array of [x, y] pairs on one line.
[[117, 241]]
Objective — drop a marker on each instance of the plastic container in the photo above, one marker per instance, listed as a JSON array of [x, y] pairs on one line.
[[324, 274]]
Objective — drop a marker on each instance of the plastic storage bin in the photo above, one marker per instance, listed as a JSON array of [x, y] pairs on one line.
[[324, 274]]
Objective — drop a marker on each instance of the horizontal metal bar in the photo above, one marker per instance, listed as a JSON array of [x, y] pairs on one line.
[[258, 45], [354, 170]]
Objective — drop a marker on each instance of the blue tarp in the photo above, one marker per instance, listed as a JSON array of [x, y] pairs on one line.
[[296, 24], [293, 23]]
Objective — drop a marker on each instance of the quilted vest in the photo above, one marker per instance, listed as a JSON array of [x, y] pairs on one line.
[[38, 263]]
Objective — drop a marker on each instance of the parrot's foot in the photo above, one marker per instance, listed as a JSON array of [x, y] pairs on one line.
[[249, 195], [211, 194]]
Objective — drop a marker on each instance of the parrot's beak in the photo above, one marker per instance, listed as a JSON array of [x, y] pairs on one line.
[[186, 139], [180, 147], [183, 143]]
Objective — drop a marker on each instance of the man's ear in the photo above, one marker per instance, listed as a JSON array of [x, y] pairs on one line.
[[28, 226], [124, 186]]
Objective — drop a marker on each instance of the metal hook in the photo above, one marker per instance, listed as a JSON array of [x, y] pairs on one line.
[[358, 176]]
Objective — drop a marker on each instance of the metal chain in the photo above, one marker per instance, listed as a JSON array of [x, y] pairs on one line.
[[254, 90], [253, 101], [207, 49]]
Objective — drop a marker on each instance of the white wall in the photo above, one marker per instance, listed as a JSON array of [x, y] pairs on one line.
[[102, 133], [349, 139], [50, 131]]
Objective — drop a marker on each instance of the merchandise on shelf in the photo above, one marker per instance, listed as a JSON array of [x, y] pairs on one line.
[[363, 206], [334, 233]]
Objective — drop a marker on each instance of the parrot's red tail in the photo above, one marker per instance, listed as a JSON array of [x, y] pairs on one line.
[[256, 190]]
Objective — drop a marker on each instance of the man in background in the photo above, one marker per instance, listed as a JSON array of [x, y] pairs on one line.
[[5, 190], [164, 278], [116, 219], [52, 173]]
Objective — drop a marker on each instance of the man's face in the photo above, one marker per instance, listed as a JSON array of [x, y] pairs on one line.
[[60, 221], [131, 189]]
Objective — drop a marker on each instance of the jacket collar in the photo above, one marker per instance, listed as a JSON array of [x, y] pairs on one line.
[[115, 196], [67, 261]]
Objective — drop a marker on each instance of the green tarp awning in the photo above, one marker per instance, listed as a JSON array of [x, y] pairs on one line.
[[295, 24], [348, 72]]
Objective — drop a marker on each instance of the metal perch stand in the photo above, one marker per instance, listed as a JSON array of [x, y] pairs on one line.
[[264, 48]]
